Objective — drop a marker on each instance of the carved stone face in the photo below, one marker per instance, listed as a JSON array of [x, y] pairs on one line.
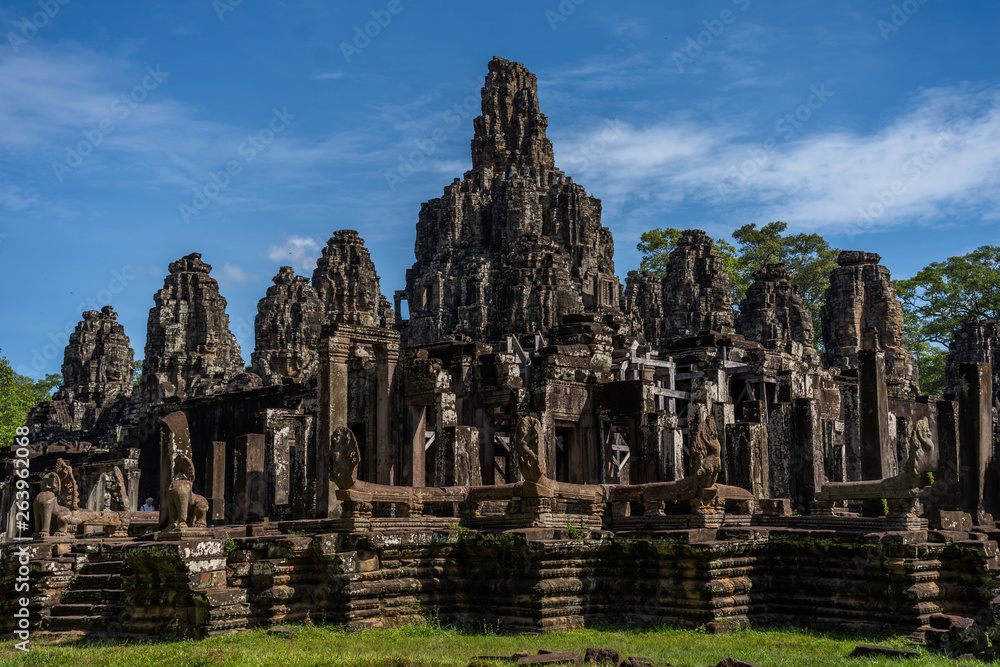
[[50, 482], [183, 468], [344, 458], [530, 457]]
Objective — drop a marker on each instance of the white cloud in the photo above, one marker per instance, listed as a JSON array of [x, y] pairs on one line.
[[13, 198], [328, 76], [298, 252], [939, 159], [231, 273]]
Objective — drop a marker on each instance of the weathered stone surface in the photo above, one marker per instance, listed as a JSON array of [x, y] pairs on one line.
[[976, 340], [862, 313], [644, 302], [602, 656], [773, 309], [347, 285], [97, 373], [515, 245], [287, 329], [697, 295], [190, 350]]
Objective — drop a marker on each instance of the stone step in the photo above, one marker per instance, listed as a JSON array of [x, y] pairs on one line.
[[84, 609], [103, 567], [95, 581], [68, 623], [93, 596]]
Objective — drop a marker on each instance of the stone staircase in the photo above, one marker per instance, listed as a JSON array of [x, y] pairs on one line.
[[93, 599]]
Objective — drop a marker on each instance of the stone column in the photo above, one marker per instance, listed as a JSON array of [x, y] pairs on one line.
[[250, 483], [413, 464], [386, 472], [456, 462], [215, 482], [876, 450], [747, 459], [174, 439], [333, 351], [805, 451], [975, 407]]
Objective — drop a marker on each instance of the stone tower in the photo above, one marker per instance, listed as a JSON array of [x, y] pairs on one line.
[[287, 329], [862, 313], [773, 309], [190, 350], [347, 285], [976, 340], [515, 244], [97, 365], [697, 295], [97, 376]]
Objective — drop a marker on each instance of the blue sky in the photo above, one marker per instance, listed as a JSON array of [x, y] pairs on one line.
[[132, 133]]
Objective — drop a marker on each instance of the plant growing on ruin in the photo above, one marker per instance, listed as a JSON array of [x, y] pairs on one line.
[[574, 532], [230, 544]]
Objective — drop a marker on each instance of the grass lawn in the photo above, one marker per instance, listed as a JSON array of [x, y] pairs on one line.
[[426, 645]]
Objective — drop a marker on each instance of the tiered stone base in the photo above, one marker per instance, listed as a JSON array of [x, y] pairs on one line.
[[529, 580]]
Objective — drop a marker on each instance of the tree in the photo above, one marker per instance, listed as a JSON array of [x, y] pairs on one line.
[[137, 374], [938, 298], [808, 256], [17, 396]]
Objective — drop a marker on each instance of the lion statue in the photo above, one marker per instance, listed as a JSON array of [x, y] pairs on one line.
[[184, 507], [51, 518]]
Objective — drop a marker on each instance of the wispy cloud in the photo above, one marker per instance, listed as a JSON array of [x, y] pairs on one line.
[[299, 252], [328, 76], [232, 274], [939, 157]]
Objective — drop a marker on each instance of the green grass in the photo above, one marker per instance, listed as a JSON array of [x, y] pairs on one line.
[[427, 645]]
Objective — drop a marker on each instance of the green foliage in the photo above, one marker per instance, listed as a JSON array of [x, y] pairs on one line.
[[230, 544], [808, 256], [938, 298], [942, 294], [18, 394], [137, 373], [574, 532]]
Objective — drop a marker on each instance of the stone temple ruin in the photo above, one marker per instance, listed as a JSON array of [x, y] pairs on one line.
[[535, 447]]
